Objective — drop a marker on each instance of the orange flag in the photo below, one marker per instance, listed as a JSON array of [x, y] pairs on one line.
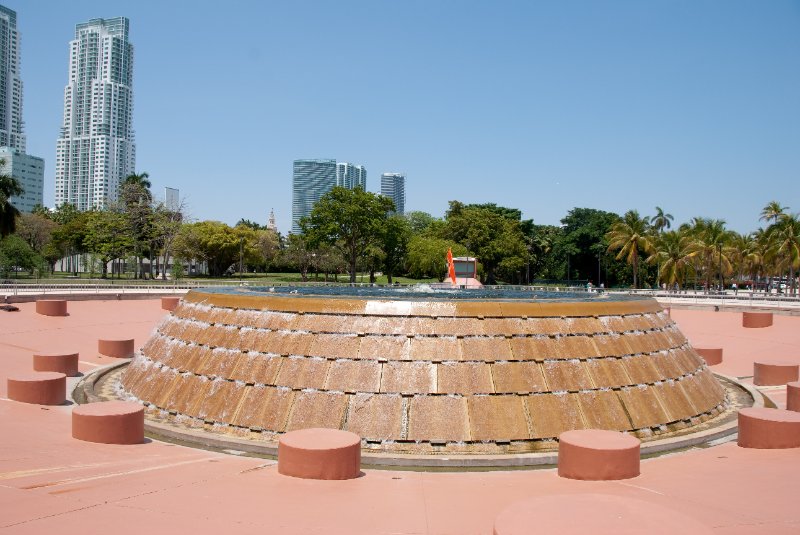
[[451, 267]]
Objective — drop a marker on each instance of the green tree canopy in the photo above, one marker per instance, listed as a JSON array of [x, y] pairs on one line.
[[427, 257], [349, 219]]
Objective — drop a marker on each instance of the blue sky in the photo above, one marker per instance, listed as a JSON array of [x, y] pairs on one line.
[[690, 105]]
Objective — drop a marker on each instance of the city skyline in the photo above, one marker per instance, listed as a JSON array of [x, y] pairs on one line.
[[689, 107], [95, 150]]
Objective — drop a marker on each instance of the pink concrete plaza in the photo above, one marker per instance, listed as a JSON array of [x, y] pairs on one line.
[[50, 482]]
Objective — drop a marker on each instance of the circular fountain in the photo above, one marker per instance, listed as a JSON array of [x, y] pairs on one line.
[[422, 373]]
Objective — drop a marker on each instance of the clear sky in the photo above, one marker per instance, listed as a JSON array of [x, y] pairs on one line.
[[544, 106]]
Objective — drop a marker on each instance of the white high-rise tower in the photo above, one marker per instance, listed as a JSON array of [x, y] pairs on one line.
[[11, 125], [96, 149]]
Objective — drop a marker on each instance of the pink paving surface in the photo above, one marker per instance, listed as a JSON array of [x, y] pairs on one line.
[[51, 482]]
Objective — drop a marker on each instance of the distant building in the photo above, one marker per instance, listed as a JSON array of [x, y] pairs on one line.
[[311, 179], [95, 149], [29, 170], [351, 176], [11, 124], [271, 224], [393, 185], [172, 198]]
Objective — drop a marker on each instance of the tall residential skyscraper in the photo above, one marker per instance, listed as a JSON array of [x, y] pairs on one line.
[[393, 185], [96, 149], [11, 125], [312, 179], [351, 176], [29, 170]]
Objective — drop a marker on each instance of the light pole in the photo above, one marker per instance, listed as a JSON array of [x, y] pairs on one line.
[[241, 257]]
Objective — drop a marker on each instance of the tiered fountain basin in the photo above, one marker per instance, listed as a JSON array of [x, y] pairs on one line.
[[471, 372]]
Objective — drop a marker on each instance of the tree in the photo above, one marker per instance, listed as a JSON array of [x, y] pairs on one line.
[[251, 224], [349, 219], [630, 236], [299, 254], [137, 204], [166, 224], [9, 187], [217, 244], [427, 257], [268, 244], [142, 183], [661, 220], [15, 254], [492, 237], [419, 222], [711, 245], [36, 230], [394, 243], [787, 244], [584, 238], [773, 211], [673, 251], [108, 237]]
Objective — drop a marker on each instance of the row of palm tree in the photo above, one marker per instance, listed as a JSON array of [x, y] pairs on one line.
[[705, 250]]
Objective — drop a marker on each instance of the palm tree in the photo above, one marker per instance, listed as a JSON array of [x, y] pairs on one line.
[[142, 181], [629, 236], [773, 211], [9, 187], [787, 244], [711, 244], [673, 251], [661, 220]]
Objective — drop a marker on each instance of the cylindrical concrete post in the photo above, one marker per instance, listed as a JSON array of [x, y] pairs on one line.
[[51, 307], [66, 363], [40, 388], [320, 454], [597, 455], [116, 348], [109, 422]]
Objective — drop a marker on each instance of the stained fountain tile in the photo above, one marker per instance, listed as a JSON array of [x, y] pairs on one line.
[[502, 326], [317, 323], [409, 377], [190, 393], [264, 407], [256, 367], [666, 365], [275, 320], [707, 392], [464, 378], [179, 355], [542, 325], [422, 326], [377, 324], [354, 376], [333, 346], [533, 348], [478, 308], [686, 359], [509, 377], [644, 406], [152, 382], [161, 396], [438, 418], [376, 416], [552, 414], [497, 418], [221, 363], [602, 409], [485, 348], [317, 409], [585, 325], [563, 375], [572, 347], [611, 345], [636, 341], [135, 373], [607, 372], [638, 321], [436, 348], [615, 324], [291, 343], [221, 401], [674, 400], [457, 326], [302, 372], [197, 356], [254, 339], [385, 348], [641, 369]]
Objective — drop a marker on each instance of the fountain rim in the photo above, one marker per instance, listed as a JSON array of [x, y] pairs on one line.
[[84, 392], [399, 306]]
